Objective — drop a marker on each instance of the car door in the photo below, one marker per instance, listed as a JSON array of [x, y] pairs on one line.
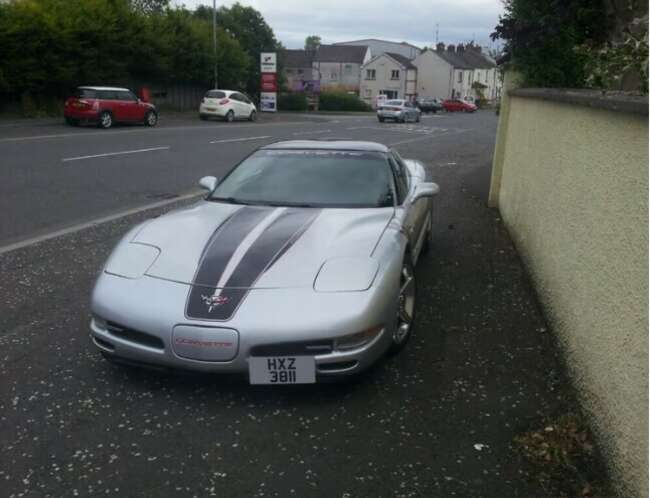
[[403, 186], [415, 219], [110, 101], [239, 106], [133, 110]]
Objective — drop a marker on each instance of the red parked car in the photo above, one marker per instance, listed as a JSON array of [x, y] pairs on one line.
[[452, 105], [107, 105]]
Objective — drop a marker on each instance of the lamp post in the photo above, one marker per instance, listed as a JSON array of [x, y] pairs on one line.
[[214, 41]]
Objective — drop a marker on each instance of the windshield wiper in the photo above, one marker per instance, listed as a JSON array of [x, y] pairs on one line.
[[230, 200]]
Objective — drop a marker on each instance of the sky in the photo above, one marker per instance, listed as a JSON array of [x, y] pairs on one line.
[[413, 21]]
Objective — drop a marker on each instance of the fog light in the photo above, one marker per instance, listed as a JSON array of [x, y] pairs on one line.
[[357, 340]]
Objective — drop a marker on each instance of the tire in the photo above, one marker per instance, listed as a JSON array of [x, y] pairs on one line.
[[72, 121], [203, 117], [230, 117], [406, 307], [253, 116], [151, 118], [105, 120]]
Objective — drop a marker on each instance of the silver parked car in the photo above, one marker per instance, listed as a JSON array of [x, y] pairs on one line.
[[298, 265], [398, 110]]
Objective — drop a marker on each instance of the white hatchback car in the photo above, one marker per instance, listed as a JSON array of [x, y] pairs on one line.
[[228, 105]]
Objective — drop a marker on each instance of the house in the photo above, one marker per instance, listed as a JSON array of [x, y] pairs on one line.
[[333, 67], [389, 74], [298, 68], [378, 47], [456, 71]]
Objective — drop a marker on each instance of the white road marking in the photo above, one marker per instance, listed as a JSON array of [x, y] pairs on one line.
[[311, 132], [108, 133], [107, 154], [96, 222], [239, 139], [430, 137]]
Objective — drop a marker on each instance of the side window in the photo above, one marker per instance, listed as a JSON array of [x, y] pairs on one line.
[[246, 99], [236, 96], [401, 183]]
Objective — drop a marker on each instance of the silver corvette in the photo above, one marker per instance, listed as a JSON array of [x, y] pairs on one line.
[[297, 266]]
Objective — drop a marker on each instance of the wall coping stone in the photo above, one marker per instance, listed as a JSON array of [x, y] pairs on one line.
[[609, 100]]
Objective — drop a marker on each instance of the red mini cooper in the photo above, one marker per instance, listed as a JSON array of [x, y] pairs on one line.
[[453, 105], [107, 105]]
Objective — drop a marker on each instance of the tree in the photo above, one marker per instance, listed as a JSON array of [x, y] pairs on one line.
[[542, 36], [312, 42], [254, 35]]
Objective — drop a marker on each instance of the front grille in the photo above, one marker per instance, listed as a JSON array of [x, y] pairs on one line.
[[307, 348], [134, 336]]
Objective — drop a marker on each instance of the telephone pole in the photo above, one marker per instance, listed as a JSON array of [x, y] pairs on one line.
[[214, 42]]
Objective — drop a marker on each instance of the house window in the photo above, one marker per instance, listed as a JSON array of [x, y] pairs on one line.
[[368, 92], [334, 75], [348, 68], [460, 76], [300, 71], [370, 74], [394, 74]]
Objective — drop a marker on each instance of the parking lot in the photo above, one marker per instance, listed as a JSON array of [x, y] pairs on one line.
[[440, 419]]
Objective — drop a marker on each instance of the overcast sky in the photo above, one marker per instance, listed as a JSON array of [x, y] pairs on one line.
[[413, 21]]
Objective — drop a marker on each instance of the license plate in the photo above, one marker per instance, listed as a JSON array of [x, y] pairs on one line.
[[210, 109], [282, 370]]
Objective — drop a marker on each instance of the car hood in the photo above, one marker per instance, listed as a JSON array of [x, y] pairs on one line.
[[221, 245]]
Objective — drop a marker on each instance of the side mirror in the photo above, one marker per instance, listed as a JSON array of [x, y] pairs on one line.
[[428, 189], [208, 183]]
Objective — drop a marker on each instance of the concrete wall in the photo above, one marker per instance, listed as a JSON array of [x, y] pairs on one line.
[[434, 76], [570, 178]]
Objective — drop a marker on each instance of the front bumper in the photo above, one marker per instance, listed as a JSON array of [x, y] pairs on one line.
[[270, 322]]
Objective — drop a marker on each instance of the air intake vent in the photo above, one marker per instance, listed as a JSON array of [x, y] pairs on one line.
[[134, 336], [311, 348]]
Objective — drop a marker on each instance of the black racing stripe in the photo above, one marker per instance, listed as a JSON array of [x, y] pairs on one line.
[[224, 242], [216, 254], [272, 243]]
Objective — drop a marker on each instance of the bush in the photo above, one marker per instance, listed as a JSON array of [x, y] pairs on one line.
[[340, 101], [292, 102]]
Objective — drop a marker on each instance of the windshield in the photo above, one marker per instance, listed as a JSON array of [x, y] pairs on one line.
[[315, 178], [395, 102]]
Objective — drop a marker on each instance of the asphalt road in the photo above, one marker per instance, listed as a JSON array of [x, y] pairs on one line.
[[437, 420]]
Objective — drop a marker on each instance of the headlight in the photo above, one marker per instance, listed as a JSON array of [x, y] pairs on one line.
[[357, 340], [131, 260]]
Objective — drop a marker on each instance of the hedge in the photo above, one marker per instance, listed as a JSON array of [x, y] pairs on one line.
[[292, 102], [340, 101]]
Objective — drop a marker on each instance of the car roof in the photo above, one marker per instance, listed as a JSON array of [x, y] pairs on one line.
[[222, 90], [328, 144], [104, 88]]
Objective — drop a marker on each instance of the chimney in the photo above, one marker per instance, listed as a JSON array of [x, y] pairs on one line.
[[451, 48], [440, 47]]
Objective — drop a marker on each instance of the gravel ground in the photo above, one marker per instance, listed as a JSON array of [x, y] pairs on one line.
[[440, 419]]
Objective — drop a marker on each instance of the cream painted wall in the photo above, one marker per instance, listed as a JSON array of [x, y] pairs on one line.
[[434, 76], [573, 192], [383, 67]]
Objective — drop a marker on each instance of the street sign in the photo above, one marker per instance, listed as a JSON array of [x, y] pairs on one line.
[[268, 62], [269, 82], [268, 101]]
